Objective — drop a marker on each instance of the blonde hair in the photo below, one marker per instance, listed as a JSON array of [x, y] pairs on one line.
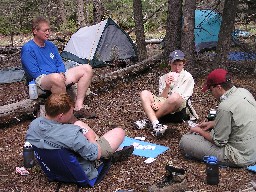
[[37, 21]]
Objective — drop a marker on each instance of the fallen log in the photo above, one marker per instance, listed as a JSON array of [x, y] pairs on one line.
[[16, 112], [21, 110]]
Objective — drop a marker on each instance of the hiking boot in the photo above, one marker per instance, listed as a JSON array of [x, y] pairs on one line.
[[142, 124], [159, 130], [174, 180], [83, 113], [122, 154]]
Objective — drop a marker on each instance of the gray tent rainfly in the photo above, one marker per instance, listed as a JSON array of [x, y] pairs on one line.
[[99, 44]]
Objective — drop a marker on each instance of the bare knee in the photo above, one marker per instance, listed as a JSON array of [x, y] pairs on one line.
[[145, 94], [53, 80], [119, 131], [174, 98], [87, 69]]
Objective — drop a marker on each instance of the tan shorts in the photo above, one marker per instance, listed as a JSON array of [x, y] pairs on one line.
[[106, 150], [39, 80], [162, 99]]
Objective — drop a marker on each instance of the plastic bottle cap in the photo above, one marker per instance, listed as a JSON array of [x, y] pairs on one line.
[[212, 159], [27, 144], [32, 82]]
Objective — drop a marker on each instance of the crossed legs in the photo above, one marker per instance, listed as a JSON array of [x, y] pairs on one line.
[[170, 105]]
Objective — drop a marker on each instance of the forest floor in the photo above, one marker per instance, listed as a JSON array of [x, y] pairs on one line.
[[119, 104]]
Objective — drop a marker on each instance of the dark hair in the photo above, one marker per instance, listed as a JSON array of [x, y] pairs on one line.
[[37, 21], [227, 84], [57, 104]]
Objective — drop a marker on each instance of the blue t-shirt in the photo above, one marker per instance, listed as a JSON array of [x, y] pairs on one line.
[[41, 60]]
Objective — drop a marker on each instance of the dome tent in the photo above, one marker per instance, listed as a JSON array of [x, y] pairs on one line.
[[207, 28], [99, 44]]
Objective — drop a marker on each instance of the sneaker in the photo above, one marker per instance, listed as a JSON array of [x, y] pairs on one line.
[[142, 124], [122, 154], [159, 130], [83, 113]]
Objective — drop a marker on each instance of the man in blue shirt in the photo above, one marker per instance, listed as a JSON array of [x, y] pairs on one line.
[[41, 61]]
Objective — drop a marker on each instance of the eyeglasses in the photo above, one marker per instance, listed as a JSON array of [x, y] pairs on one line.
[[45, 30]]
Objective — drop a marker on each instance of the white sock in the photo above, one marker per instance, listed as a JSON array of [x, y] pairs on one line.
[[154, 123]]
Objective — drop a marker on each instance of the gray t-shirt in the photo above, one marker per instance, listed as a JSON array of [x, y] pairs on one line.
[[48, 134]]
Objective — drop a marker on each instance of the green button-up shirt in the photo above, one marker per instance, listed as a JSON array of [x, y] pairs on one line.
[[235, 126]]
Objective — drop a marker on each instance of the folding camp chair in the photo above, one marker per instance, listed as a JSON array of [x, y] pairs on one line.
[[61, 165]]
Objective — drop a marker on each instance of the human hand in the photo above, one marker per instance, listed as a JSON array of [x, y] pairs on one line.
[[206, 125], [195, 129], [171, 77], [168, 80]]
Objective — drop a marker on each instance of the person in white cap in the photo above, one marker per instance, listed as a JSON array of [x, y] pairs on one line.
[[175, 88]]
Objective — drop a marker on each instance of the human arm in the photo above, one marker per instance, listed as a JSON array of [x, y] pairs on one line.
[[165, 82], [203, 133], [206, 126], [222, 128], [90, 135], [29, 62], [58, 60]]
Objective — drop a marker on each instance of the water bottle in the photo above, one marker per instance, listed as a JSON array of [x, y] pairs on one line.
[[28, 155], [32, 90], [212, 170]]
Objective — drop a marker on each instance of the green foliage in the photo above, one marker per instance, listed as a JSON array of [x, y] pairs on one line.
[[70, 26]]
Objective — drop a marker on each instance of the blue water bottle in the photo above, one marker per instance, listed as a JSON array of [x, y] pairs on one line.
[[212, 170]]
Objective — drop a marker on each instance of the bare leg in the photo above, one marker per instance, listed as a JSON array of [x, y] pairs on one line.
[[81, 74], [147, 99], [115, 137], [54, 82], [172, 104]]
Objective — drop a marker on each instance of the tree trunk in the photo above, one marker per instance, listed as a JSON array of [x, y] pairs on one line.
[[139, 29], [61, 13], [87, 12], [174, 24], [188, 37], [80, 14], [227, 26], [98, 11]]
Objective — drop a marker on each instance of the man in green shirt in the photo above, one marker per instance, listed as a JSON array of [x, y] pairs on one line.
[[231, 137]]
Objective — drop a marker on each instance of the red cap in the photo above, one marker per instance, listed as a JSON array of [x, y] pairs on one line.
[[216, 77]]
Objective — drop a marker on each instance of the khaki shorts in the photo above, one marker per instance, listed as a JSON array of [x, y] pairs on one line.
[[106, 150], [39, 80], [162, 99]]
